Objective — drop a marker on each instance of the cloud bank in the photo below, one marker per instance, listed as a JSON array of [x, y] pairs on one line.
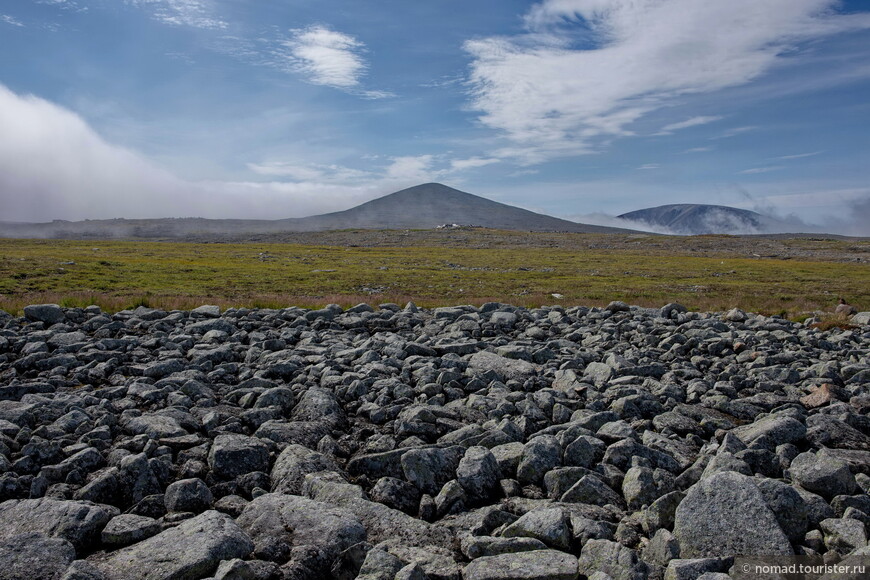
[[54, 166], [585, 70]]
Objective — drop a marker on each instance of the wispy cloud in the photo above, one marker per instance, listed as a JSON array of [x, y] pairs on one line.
[[552, 99], [698, 150], [472, 163], [693, 122], [799, 155], [648, 166], [735, 131], [330, 58], [194, 13], [5, 18], [311, 172], [756, 170]]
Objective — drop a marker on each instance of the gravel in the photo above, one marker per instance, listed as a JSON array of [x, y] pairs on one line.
[[490, 442]]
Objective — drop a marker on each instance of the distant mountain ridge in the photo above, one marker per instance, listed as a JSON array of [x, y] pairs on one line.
[[695, 218], [420, 207]]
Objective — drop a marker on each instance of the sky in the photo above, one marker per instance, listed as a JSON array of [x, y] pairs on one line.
[[576, 108]]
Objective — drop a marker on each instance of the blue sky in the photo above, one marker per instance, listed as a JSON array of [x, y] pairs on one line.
[[269, 109]]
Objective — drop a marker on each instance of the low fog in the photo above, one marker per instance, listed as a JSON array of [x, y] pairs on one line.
[[54, 166]]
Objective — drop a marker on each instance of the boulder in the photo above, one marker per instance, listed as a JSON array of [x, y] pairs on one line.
[[77, 522], [537, 565], [724, 515], [191, 550]]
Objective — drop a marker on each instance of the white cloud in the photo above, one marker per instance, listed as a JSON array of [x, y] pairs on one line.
[[311, 172], [330, 58], [649, 166], [194, 13], [552, 99], [472, 163], [693, 122], [756, 170], [799, 155], [735, 131], [10, 20], [698, 150], [54, 166], [412, 169]]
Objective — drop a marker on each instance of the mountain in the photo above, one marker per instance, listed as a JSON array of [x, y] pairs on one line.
[[424, 206], [432, 204], [695, 218]]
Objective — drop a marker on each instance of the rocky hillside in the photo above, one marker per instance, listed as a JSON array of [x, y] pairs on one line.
[[487, 443], [696, 218]]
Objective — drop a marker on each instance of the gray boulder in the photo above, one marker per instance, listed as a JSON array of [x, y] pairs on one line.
[[478, 473], [80, 523], [379, 564], [189, 551], [771, 431], [127, 529], [843, 535], [47, 313], [429, 469], [293, 464], [188, 495], [787, 505], [232, 455], [506, 368], [547, 525], [537, 565], [724, 515], [540, 455], [34, 557], [612, 558], [822, 474], [280, 523]]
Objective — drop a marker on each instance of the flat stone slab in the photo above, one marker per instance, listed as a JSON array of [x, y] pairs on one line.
[[535, 565], [189, 551]]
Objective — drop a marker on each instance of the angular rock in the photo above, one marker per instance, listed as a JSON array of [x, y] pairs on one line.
[[612, 558], [77, 522], [822, 474], [280, 523], [191, 550], [35, 557], [478, 473], [537, 565], [232, 455], [725, 515], [127, 529], [293, 464], [547, 525]]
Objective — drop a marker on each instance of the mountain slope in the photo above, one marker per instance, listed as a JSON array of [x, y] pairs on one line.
[[421, 207], [694, 218], [432, 204]]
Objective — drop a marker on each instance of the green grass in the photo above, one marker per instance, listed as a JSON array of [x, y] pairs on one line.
[[117, 275]]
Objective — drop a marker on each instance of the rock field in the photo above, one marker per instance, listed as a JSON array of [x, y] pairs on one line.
[[384, 443]]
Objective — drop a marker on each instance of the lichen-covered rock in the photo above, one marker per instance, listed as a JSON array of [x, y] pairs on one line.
[[80, 523], [34, 557], [823, 474], [537, 565], [233, 454], [617, 561], [191, 550], [280, 523], [725, 515]]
